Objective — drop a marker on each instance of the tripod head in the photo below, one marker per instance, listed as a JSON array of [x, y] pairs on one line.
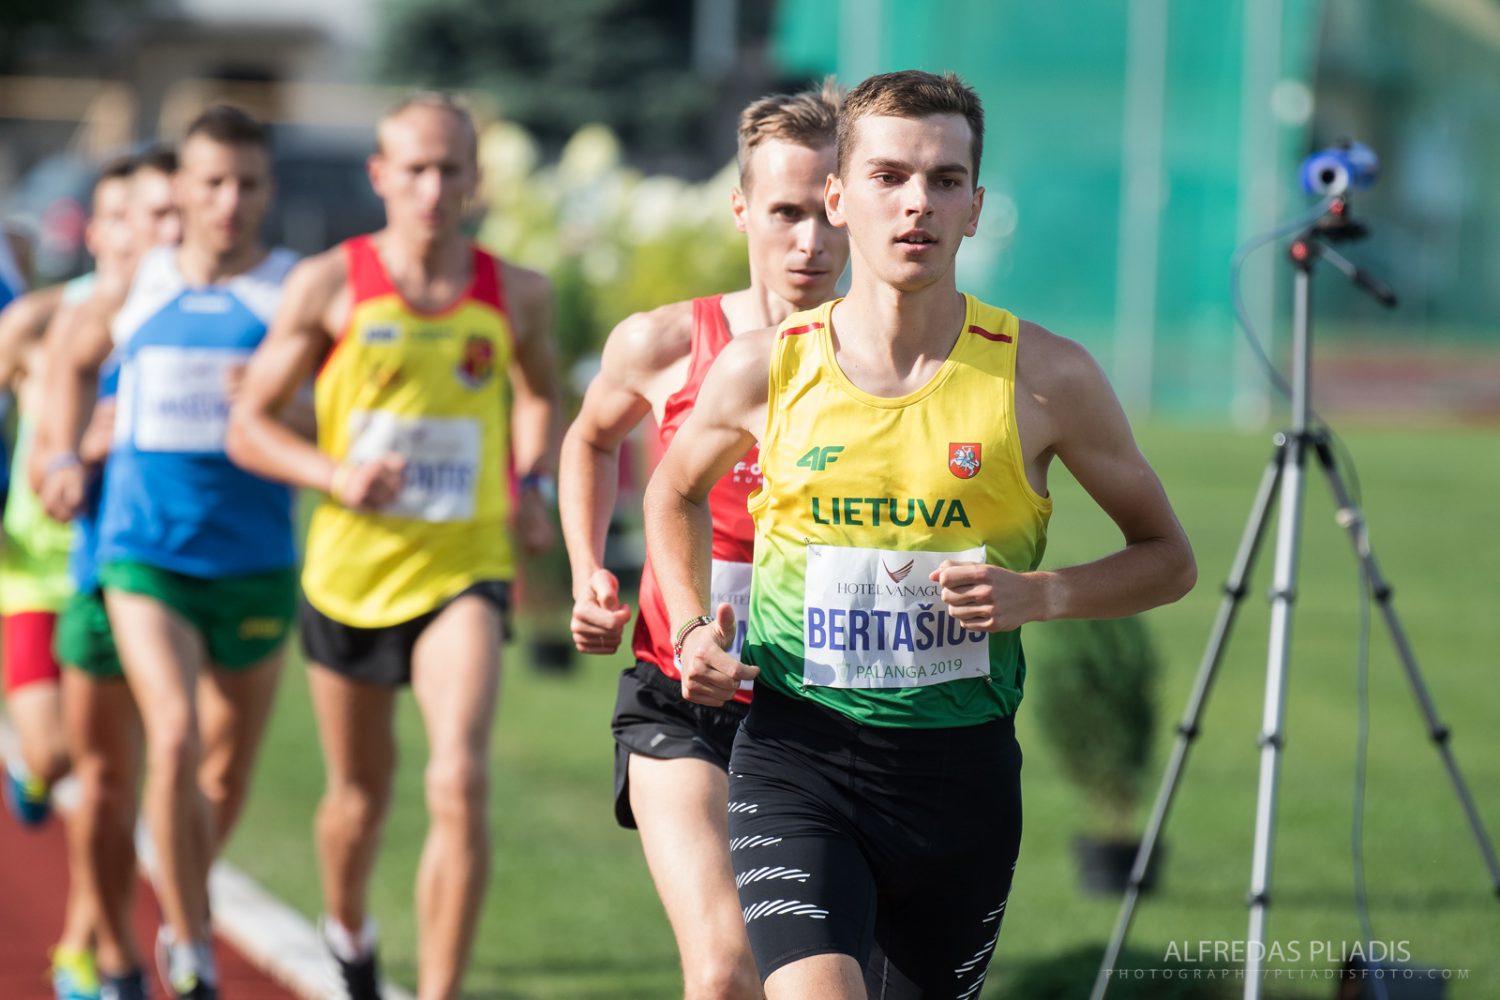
[[1331, 173], [1334, 172], [1337, 225]]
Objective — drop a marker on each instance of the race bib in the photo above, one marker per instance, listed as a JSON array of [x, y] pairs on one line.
[[442, 461], [730, 584], [181, 402], [873, 619]]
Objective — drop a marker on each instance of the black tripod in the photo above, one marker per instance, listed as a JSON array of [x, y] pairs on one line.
[[1283, 483]]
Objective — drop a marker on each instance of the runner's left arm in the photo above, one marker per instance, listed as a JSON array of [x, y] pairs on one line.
[[1077, 417], [534, 413]]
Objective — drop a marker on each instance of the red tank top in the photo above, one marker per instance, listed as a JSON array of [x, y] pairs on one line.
[[734, 532]]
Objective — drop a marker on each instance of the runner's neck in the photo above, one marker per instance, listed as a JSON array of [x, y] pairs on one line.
[[428, 274], [200, 266], [887, 330]]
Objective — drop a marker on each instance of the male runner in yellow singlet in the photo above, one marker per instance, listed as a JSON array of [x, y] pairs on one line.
[[670, 755], [905, 437], [419, 339]]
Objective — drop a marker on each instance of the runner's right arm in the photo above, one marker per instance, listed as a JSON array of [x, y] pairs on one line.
[[640, 351], [315, 303], [71, 384], [728, 418], [22, 324]]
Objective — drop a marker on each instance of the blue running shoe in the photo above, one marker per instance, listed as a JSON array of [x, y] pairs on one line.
[[73, 975], [28, 797]]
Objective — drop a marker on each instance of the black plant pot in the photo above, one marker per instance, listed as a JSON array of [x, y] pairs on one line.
[[1104, 865], [551, 656]]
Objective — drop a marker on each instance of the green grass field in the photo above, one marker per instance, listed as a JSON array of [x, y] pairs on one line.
[[571, 912]]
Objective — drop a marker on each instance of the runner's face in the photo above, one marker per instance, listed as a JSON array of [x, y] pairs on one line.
[[794, 251], [223, 192], [109, 237], [907, 197], [154, 220], [425, 172]]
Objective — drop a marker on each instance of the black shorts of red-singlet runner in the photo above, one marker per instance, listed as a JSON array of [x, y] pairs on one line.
[[893, 846], [653, 720]]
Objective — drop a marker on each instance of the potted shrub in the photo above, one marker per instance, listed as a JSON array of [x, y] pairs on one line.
[[1093, 687]]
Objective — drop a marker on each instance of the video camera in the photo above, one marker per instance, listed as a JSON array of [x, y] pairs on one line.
[[1346, 166]]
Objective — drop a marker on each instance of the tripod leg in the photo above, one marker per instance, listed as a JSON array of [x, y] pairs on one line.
[[1283, 594], [1187, 729], [1353, 521]]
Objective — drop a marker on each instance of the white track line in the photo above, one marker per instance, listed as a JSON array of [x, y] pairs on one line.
[[272, 935]]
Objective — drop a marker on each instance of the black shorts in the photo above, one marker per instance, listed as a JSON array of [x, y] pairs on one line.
[[654, 720], [893, 846], [382, 655]]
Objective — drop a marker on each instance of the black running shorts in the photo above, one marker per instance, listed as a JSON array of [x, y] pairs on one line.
[[893, 846], [383, 655], [654, 720]]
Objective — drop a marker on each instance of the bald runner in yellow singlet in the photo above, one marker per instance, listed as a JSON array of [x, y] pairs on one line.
[[423, 384], [434, 382]]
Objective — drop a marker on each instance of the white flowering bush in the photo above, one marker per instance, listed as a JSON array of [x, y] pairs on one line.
[[613, 241]]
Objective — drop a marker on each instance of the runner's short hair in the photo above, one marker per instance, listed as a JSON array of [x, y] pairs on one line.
[[911, 94], [228, 126], [159, 157], [809, 118], [120, 168], [440, 100]]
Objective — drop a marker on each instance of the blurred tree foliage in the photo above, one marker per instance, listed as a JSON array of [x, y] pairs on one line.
[[613, 241], [23, 22], [558, 65]]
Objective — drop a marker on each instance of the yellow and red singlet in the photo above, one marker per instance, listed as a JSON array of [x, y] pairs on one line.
[[733, 532], [432, 387]]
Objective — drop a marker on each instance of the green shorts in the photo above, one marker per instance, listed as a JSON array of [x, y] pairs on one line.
[[242, 619], [83, 639]]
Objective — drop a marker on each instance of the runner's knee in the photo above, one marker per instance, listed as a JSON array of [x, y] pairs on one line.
[[352, 810], [103, 787], [46, 758], [172, 750], [456, 790], [722, 976], [225, 786]]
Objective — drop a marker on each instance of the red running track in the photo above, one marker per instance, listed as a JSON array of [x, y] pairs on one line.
[[33, 888]]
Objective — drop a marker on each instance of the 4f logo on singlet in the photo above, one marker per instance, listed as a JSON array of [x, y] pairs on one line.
[[820, 457]]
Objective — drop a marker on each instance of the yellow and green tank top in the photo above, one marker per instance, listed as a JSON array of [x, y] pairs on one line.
[[432, 387], [34, 561], [864, 497]]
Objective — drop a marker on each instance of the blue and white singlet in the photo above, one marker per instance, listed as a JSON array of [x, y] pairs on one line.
[[172, 498]]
